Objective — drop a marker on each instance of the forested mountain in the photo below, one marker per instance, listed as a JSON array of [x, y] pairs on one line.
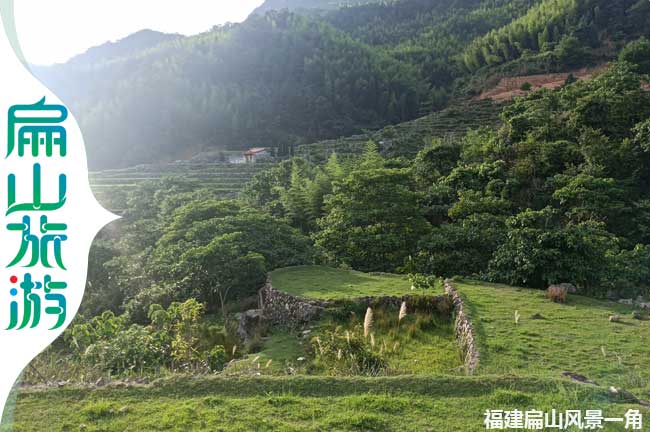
[[305, 5], [277, 79], [129, 46], [282, 79], [570, 26]]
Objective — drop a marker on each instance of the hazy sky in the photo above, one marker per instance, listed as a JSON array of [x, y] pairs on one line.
[[52, 31]]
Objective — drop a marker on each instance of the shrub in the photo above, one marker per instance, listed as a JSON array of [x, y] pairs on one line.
[[420, 281], [216, 358], [638, 54], [557, 293], [347, 353], [526, 86]]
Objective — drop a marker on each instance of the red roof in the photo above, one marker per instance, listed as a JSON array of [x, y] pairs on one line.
[[254, 151]]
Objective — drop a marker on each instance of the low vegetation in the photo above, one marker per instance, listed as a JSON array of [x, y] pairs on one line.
[[301, 404]]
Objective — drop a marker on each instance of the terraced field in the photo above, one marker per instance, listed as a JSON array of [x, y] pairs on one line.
[[523, 366], [406, 139], [225, 178]]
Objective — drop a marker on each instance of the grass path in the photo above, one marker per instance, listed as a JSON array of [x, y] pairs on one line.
[[300, 404]]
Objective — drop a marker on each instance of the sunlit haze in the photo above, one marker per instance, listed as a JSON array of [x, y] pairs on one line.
[[54, 31]]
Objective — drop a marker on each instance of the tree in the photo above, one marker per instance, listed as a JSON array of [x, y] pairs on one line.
[[373, 221], [540, 249], [637, 53]]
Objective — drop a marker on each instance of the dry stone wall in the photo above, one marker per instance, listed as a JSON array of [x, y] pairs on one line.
[[464, 330], [287, 310]]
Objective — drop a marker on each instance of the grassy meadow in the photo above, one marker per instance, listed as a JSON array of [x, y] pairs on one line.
[[302, 404], [327, 283]]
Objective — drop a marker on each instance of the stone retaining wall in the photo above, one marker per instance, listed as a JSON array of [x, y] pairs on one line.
[[287, 310], [283, 309], [464, 329]]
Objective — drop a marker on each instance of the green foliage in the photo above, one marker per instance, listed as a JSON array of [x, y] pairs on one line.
[[373, 220], [565, 29], [554, 196], [422, 282], [637, 53], [540, 249], [108, 343], [347, 353], [216, 358]]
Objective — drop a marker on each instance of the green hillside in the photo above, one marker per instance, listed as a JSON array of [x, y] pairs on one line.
[[522, 362], [408, 138], [111, 187], [282, 80]]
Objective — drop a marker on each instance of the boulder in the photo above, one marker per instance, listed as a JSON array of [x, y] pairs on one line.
[[249, 324], [614, 318]]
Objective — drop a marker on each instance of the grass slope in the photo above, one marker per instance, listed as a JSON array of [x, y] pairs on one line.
[[300, 404], [320, 282], [576, 336]]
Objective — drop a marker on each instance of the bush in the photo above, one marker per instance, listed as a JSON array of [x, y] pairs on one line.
[[526, 86], [216, 358], [347, 353], [638, 54], [424, 282], [171, 340], [557, 293]]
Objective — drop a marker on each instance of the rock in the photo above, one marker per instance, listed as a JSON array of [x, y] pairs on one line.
[[614, 318], [100, 382], [644, 305], [637, 315], [578, 378], [301, 359], [628, 302], [571, 289], [623, 395], [306, 332], [537, 316], [249, 324]]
